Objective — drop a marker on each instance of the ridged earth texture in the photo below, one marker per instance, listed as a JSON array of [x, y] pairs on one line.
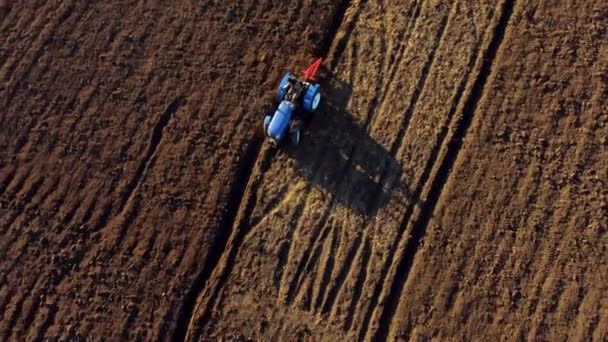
[[453, 184]]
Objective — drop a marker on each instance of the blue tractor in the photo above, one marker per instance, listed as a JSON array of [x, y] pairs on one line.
[[296, 98]]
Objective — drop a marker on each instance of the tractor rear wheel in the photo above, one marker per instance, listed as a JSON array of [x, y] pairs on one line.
[[267, 119], [312, 98], [295, 133]]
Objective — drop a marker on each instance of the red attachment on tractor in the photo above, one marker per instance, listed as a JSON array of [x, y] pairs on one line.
[[311, 74]]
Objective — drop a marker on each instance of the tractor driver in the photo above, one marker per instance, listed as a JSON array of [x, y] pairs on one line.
[[291, 82], [293, 89]]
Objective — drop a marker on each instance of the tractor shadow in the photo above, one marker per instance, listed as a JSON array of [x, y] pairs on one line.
[[338, 155]]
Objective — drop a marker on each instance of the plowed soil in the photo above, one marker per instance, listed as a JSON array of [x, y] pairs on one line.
[[452, 186]]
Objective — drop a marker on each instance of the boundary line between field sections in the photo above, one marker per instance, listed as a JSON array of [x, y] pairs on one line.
[[403, 265]]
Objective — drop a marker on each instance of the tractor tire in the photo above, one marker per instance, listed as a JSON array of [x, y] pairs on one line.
[[295, 133], [312, 98], [267, 119]]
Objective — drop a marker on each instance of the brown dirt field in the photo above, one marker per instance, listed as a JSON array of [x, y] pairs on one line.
[[452, 186]]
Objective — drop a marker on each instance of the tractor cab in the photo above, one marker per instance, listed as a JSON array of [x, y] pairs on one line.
[[294, 89], [296, 97]]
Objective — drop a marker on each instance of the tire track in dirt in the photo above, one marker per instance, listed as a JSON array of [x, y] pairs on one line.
[[155, 138], [364, 255], [328, 266], [342, 275], [241, 200], [305, 263], [357, 247], [338, 23], [411, 107], [395, 146], [287, 250], [416, 193], [285, 247], [310, 257], [395, 60], [128, 205], [452, 149]]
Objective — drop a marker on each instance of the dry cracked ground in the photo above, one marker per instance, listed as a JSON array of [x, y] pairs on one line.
[[453, 185]]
